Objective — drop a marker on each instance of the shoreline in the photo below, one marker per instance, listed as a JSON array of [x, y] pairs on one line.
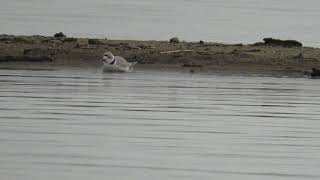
[[68, 51]]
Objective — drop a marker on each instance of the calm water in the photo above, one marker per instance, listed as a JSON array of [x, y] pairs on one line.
[[81, 124], [216, 20]]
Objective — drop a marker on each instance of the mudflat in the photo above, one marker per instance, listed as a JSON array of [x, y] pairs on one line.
[[194, 55]]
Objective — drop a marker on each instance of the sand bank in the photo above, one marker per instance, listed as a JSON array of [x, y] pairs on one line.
[[193, 55]]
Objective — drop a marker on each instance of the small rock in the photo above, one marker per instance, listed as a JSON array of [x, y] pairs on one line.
[[59, 35], [174, 40], [315, 72]]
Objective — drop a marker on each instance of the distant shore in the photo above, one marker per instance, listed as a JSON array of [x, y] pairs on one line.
[[62, 50]]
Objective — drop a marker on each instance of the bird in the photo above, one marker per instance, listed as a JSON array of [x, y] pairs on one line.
[[113, 63]]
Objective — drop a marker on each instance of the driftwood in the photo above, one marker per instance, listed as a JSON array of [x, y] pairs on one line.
[[220, 45], [207, 45], [176, 51]]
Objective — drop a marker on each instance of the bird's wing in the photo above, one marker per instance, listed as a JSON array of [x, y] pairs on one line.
[[121, 61]]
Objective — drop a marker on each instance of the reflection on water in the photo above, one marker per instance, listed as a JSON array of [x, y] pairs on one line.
[[71, 124]]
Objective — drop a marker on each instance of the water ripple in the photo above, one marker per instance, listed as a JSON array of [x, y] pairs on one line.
[[70, 124]]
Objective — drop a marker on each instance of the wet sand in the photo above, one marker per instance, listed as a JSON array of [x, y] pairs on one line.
[[157, 54]]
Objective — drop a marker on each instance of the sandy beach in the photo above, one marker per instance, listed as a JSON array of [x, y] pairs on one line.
[[200, 55]]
